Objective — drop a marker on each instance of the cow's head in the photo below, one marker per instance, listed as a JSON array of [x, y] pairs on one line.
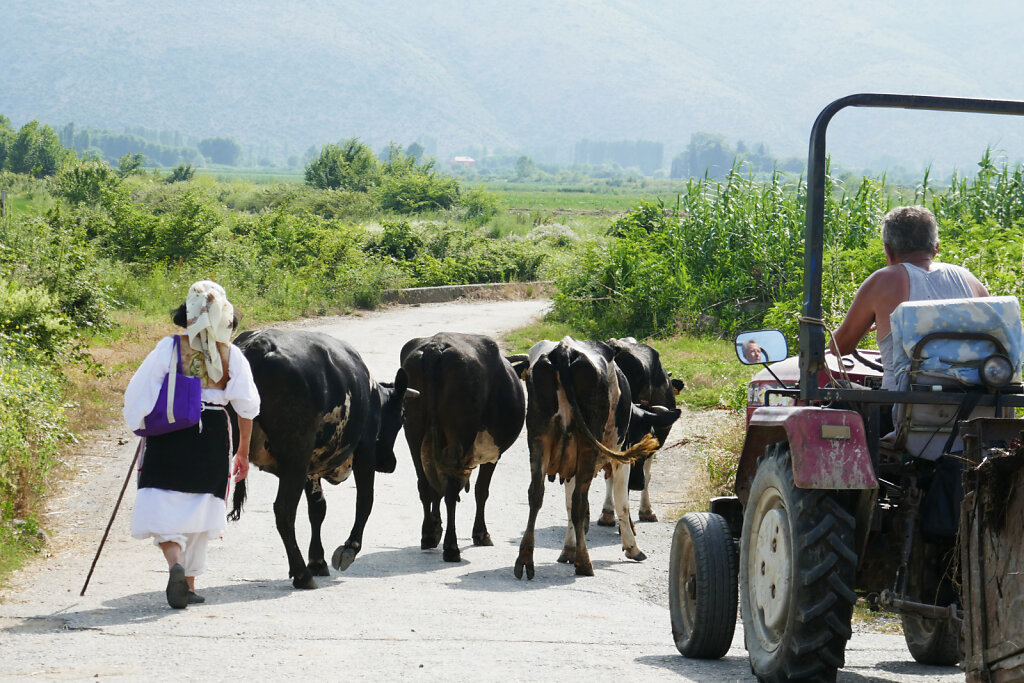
[[644, 420], [391, 397], [656, 420]]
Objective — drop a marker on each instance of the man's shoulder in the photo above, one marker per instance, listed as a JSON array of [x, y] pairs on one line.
[[884, 277]]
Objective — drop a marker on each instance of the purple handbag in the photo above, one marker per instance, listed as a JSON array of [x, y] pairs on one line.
[[179, 405]]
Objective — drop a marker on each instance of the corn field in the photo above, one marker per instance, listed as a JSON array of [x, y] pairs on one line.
[[728, 255]]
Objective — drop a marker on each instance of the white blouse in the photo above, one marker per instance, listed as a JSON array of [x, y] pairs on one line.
[[144, 387]]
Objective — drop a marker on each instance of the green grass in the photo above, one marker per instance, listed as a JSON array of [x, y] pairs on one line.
[[714, 376]]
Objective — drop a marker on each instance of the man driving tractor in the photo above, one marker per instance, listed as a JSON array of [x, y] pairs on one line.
[[911, 241]]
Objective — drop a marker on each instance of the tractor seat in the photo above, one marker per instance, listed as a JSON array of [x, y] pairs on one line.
[[939, 345]]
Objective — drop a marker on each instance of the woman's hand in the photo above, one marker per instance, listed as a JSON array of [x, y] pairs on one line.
[[240, 466]]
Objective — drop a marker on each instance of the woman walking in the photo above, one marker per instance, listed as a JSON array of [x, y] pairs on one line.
[[183, 475]]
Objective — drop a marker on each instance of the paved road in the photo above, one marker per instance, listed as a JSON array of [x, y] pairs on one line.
[[398, 613]]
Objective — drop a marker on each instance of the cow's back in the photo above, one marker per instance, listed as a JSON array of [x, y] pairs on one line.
[[466, 388], [317, 402]]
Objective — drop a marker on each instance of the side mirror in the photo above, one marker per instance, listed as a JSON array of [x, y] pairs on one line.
[[761, 346]]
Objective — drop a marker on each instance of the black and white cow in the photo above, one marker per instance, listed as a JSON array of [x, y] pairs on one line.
[[322, 417], [470, 409], [652, 387], [579, 417]]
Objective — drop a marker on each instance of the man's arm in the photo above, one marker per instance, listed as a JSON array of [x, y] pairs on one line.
[[857, 322]]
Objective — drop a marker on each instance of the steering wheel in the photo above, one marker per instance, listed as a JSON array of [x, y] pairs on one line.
[[864, 361]]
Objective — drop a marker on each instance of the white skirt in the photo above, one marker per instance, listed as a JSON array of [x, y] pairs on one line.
[[159, 511]]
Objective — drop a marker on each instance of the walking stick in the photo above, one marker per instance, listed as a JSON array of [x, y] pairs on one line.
[[112, 515]]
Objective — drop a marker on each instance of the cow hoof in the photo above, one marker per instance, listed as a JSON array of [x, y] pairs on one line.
[[584, 569], [343, 557], [648, 516], [520, 565], [482, 540], [637, 556], [430, 534], [304, 582], [318, 568], [607, 518], [568, 555], [451, 555]]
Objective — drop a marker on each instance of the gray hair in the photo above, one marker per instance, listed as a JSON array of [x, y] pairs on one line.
[[907, 229]]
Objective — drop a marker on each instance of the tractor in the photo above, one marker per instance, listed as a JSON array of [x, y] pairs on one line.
[[845, 490]]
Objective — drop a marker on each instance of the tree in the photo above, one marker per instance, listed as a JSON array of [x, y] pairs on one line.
[[525, 167], [6, 139], [221, 150], [37, 151], [129, 163], [348, 166], [415, 150], [181, 173], [706, 153]]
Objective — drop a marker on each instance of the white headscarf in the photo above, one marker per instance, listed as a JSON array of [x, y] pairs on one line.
[[209, 316]]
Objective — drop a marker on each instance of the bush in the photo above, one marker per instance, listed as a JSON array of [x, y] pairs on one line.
[[348, 166], [182, 173], [479, 205], [184, 234], [83, 182], [31, 316], [416, 192]]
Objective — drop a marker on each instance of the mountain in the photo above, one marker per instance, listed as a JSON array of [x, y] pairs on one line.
[[521, 75]]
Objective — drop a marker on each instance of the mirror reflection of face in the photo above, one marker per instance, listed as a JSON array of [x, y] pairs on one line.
[[761, 346], [752, 351]]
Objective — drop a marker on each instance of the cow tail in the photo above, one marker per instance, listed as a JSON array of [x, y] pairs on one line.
[[431, 364], [560, 359], [237, 501]]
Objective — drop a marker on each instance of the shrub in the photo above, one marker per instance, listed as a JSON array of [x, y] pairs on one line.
[[182, 173], [416, 192], [84, 181], [184, 234], [30, 315], [479, 205], [348, 166]]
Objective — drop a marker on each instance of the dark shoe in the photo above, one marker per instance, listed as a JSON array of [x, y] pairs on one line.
[[195, 599], [177, 588]]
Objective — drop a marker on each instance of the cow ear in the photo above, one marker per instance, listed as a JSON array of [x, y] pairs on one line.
[[668, 417], [520, 363], [401, 382], [677, 386]]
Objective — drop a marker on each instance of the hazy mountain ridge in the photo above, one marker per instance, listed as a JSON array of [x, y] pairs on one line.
[[520, 76]]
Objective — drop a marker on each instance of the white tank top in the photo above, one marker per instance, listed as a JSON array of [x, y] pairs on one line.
[[943, 281]]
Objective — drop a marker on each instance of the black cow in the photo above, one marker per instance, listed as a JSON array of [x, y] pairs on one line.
[[652, 387], [470, 409], [579, 415], [322, 416]]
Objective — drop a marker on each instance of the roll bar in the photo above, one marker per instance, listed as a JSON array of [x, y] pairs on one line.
[[812, 336]]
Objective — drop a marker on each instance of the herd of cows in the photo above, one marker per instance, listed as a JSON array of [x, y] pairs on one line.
[[588, 407]]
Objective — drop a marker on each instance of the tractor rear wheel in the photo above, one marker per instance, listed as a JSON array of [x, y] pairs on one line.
[[797, 567], [702, 586], [931, 641]]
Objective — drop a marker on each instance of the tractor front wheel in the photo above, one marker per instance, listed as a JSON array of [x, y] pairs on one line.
[[702, 586], [797, 567]]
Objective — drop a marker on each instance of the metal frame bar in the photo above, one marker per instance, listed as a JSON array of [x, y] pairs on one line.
[[812, 337]]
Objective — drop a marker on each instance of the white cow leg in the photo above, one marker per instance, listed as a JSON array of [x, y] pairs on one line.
[[646, 513], [607, 517], [569, 545], [620, 484]]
